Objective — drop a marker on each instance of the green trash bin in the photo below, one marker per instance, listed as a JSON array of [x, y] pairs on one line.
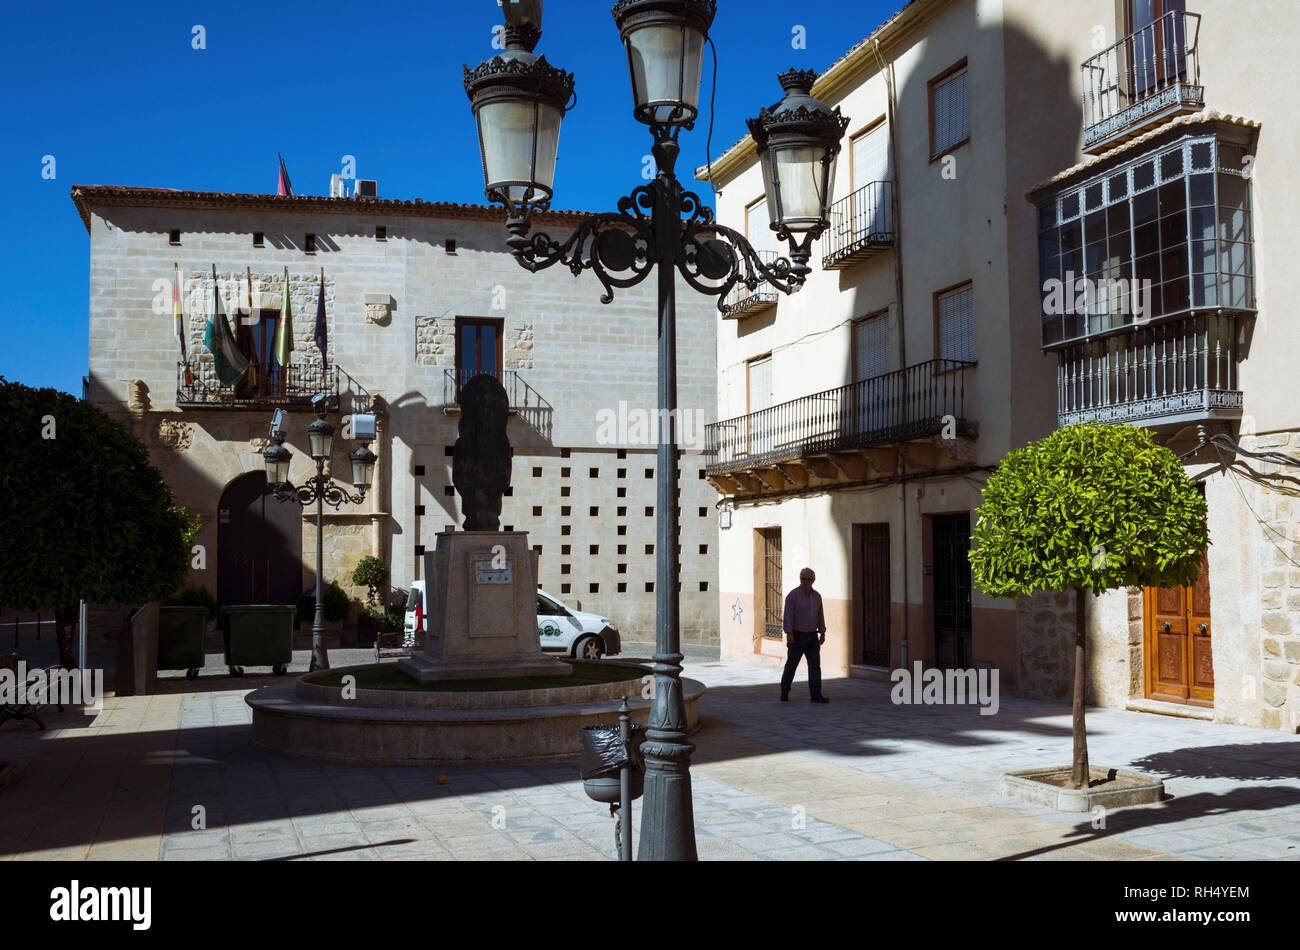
[[258, 635], [182, 636]]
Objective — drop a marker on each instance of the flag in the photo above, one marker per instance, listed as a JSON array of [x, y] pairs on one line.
[[320, 336], [229, 364], [253, 360], [286, 187], [284, 332], [181, 329]]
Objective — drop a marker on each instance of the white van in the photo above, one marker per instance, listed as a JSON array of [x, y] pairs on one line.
[[560, 628]]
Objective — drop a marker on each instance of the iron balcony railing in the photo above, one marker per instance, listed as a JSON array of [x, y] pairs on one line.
[[743, 302], [861, 224], [291, 386], [1179, 371], [524, 401], [1145, 77], [906, 404]]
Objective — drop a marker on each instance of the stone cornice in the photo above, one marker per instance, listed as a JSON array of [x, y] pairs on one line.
[[86, 197]]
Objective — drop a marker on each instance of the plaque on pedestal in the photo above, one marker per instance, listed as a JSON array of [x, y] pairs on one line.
[[481, 610]]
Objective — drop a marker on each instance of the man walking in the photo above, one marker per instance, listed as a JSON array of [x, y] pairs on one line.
[[805, 632]]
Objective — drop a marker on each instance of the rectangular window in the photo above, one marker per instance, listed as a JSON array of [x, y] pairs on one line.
[[758, 228], [773, 596], [954, 314], [871, 347], [759, 394], [478, 348], [309, 244], [381, 232], [949, 111]]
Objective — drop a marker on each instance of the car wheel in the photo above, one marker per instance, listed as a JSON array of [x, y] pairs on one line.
[[589, 648]]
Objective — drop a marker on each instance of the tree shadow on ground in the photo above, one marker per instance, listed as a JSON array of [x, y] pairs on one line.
[[1253, 761], [1173, 811]]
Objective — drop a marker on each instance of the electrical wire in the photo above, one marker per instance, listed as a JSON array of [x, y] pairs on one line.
[[1262, 523], [708, 145]]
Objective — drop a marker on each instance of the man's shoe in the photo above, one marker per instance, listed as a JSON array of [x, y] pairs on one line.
[[820, 699], [785, 697]]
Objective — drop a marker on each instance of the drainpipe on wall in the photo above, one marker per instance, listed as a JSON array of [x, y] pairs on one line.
[[887, 71]]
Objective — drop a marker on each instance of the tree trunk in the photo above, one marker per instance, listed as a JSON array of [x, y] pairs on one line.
[[1079, 774], [63, 634]]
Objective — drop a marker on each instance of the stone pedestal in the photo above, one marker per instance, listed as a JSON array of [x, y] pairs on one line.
[[480, 610]]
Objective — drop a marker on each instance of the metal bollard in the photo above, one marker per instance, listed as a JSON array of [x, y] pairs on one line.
[[625, 785]]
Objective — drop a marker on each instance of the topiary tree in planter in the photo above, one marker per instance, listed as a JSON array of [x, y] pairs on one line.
[[1089, 508]]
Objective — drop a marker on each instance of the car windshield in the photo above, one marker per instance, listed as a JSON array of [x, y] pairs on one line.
[[413, 600]]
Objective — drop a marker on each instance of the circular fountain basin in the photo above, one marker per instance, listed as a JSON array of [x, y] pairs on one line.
[[306, 719]]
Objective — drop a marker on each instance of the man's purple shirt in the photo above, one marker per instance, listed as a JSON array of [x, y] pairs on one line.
[[803, 612]]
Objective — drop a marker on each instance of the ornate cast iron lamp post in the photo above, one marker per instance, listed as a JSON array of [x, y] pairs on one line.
[[319, 489], [519, 101]]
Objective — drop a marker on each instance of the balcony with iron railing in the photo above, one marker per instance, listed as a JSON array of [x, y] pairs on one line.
[[1178, 372], [927, 399], [743, 302], [277, 387], [1144, 79], [862, 225], [524, 401]]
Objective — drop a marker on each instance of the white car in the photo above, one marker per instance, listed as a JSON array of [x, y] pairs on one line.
[[560, 629]]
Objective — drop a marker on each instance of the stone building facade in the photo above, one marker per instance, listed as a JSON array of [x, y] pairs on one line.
[[981, 136], [402, 280]]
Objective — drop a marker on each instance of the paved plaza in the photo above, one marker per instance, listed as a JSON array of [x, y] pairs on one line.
[[857, 778]]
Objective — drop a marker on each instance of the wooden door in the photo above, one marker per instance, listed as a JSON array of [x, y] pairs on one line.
[[1179, 659], [259, 545], [952, 591], [873, 610], [1157, 51]]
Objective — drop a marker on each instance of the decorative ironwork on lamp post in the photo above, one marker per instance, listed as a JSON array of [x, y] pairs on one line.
[[519, 101], [319, 489]]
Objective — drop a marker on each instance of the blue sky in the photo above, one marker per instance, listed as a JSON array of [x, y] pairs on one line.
[[117, 94]]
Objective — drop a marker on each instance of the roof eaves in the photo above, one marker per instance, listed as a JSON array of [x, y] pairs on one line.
[[1192, 118]]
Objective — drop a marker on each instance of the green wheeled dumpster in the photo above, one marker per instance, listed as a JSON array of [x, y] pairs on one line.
[[258, 635], [182, 636]]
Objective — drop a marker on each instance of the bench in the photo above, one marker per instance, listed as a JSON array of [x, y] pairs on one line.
[[24, 710]]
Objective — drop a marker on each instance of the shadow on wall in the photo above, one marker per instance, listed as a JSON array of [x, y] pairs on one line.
[[943, 220]]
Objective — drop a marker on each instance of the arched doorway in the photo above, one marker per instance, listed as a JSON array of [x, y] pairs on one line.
[[259, 545]]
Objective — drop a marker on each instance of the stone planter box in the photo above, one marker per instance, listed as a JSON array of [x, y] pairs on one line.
[[1109, 788]]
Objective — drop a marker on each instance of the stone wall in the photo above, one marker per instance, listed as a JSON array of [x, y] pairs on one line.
[[1271, 515], [1046, 624]]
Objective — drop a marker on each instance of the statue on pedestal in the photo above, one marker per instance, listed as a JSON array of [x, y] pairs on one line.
[[480, 467]]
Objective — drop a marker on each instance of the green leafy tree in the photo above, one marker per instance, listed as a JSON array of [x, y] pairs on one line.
[[1089, 508], [85, 515], [371, 574]]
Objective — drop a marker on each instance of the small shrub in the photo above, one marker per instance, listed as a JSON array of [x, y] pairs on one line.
[[336, 604]]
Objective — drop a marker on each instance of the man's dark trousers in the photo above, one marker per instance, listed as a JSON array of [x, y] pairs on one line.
[[805, 644]]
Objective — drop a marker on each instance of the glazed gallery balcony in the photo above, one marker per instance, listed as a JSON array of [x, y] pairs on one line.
[[862, 225], [853, 433], [281, 387], [1146, 78], [1167, 234]]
